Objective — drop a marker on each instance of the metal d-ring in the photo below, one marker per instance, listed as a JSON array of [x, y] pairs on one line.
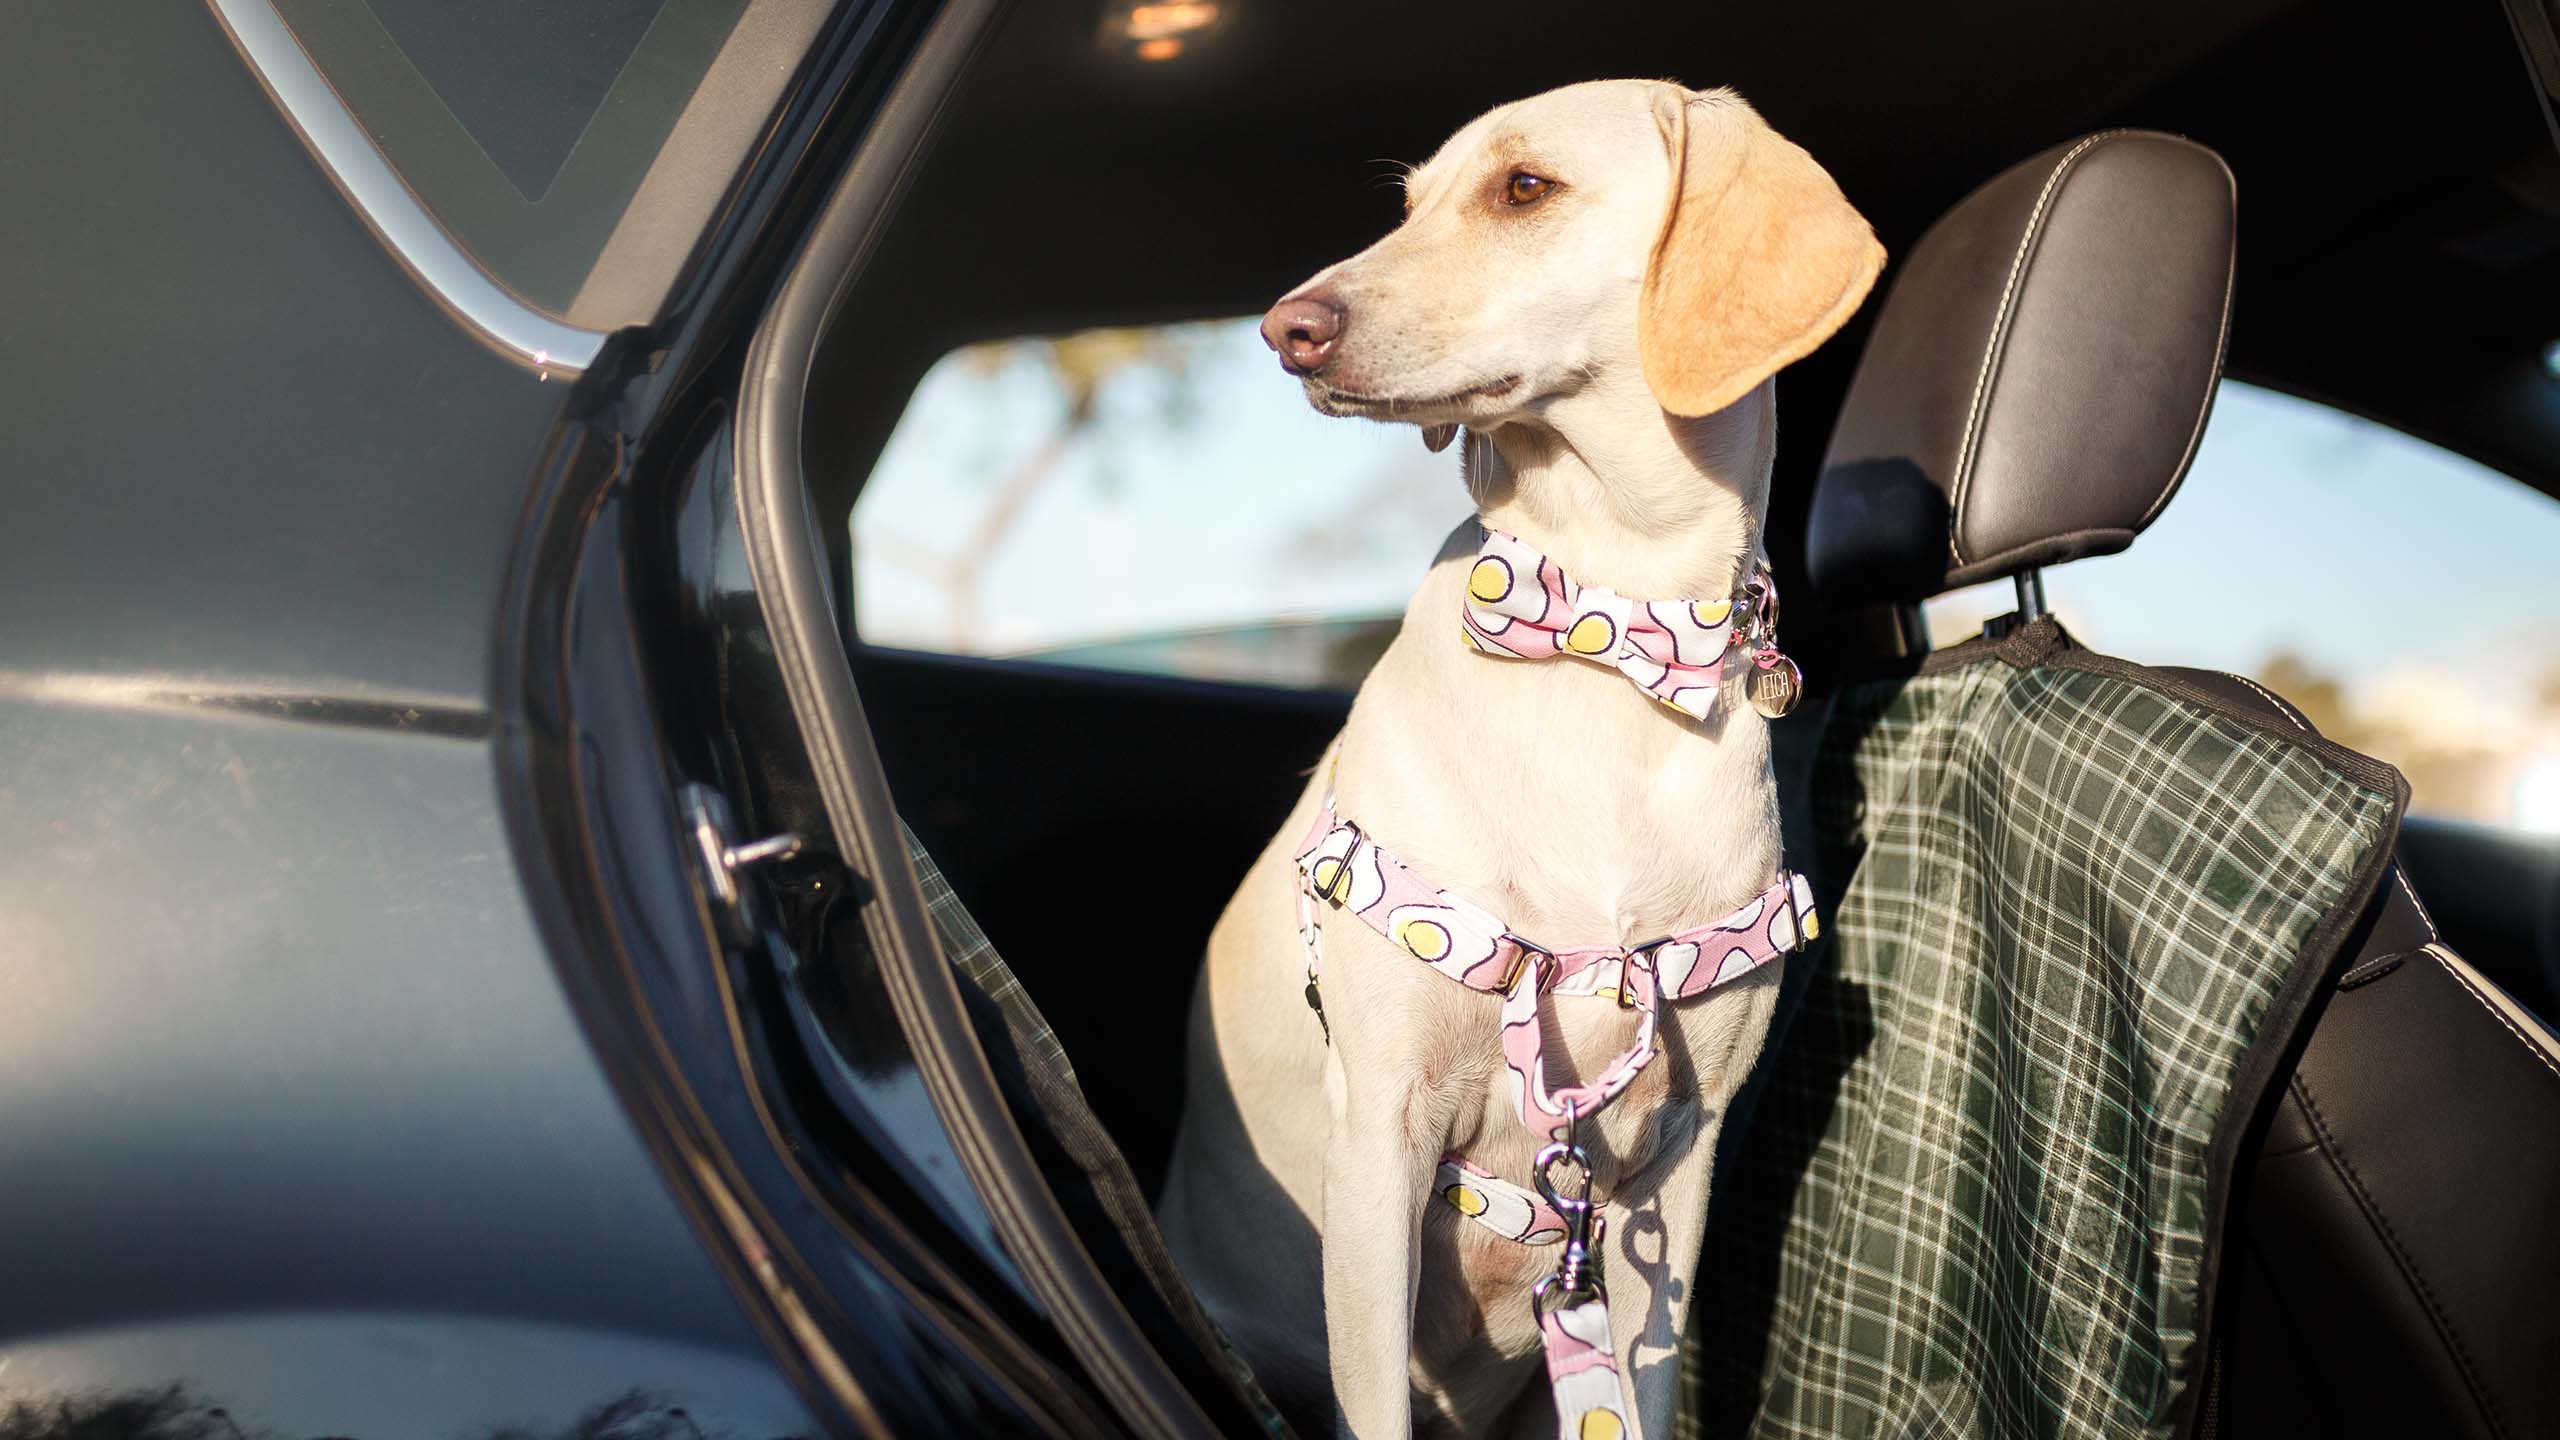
[[1523, 950], [1626, 992]]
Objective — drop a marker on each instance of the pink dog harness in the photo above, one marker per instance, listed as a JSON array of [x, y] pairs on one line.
[[1520, 604], [1341, 865]]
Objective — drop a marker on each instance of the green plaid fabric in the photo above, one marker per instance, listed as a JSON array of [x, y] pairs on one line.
[[1973, 1199], [1105, 1193], [975, 957]]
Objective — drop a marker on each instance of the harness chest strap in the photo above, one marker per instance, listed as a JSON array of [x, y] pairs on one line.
[[1340, 865]]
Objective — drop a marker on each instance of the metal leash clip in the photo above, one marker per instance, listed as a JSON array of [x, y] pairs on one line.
[[1575, 1277]]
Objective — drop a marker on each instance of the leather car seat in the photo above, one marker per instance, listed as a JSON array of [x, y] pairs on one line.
[[2034, 389]]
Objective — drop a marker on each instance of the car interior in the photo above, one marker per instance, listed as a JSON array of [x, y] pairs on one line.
[[2395, 253]]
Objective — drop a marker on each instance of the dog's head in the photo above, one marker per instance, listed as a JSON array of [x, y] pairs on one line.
[[1587, 233]]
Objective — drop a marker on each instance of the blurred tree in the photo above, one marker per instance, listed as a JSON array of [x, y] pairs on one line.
[[166, 1413], [1083, 366], [2318, 697]]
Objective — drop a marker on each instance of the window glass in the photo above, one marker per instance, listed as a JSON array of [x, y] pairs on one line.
[[1163, 500], [532, 131], [1160, 500], [2405, 598]]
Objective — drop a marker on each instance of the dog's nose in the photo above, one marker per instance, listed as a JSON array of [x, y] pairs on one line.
[[1302, 329]]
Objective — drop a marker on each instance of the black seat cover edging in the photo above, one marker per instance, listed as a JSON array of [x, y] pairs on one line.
[[2390, 1255]]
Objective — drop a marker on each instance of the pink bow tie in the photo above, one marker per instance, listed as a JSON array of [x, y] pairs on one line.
[[1522, 604]]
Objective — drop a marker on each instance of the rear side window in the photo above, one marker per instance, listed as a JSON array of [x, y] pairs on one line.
[[1162, 500], [1158, 499], [2404, 598], [573, 147]]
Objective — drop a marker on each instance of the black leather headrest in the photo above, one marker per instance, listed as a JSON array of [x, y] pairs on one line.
[[2039, 374]]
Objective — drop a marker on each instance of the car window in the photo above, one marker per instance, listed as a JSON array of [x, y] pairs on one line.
[[1161, 500], [1156, 499], [2405, 598], [571, 148]]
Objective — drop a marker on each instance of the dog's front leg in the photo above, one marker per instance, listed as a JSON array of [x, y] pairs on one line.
[[1375, 1185], [1652, 1264]]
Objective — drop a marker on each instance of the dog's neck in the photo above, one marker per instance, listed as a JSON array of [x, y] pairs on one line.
[[1622, 494], [1669, 821]]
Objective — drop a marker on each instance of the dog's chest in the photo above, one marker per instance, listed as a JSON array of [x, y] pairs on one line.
[[1553, 793]]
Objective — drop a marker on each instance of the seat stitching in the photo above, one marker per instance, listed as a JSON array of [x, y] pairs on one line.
[[2428, 920], [2372, 1208], [2270, 697], [1999, 333], [2537, 1051]]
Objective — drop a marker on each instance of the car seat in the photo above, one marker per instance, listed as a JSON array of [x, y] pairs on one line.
[[2134, 1092]]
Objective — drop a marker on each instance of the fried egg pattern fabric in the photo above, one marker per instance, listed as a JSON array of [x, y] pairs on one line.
[[1521, 604], [1451, 936], [1582, 1369], [1511, 1211], [1341, 865]]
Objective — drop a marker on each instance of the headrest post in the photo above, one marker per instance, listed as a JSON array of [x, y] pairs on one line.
[[2031, 607]]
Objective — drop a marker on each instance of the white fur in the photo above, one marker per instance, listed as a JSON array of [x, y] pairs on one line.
[[1553, 793]]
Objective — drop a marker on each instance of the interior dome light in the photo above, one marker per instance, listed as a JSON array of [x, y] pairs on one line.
[[1159, 29]]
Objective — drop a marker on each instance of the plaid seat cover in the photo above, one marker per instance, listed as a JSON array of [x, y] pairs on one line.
[[1973, 1200], [1100, 1196]]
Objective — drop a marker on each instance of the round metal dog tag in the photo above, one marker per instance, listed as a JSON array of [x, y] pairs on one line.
[[1774, 687]]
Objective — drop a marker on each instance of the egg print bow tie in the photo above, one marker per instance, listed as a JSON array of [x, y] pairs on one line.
[[1521, 604]]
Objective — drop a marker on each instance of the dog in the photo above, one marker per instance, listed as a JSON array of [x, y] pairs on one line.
[[1595, 286]]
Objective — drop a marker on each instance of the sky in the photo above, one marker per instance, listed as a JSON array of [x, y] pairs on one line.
[[2422, 581], [2299, 527]]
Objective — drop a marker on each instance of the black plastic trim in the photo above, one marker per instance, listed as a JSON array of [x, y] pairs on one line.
[[789, 561]]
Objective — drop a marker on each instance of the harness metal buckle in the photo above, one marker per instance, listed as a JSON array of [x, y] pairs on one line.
[[1627, 992], [1521, 951], [1332, 894]]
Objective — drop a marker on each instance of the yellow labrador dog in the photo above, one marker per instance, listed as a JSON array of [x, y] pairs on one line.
[[1508, 957]]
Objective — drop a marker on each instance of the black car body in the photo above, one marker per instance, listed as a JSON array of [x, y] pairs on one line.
[[408, 611]]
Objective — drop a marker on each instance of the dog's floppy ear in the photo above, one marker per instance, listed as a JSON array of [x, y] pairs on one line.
[[1760, 259]]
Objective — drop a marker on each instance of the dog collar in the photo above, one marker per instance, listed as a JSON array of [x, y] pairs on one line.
[[1521, 605]]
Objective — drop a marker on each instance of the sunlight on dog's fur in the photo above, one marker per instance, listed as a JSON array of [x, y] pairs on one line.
[[1597, 284]]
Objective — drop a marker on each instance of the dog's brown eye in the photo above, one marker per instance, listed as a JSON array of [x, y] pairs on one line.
[[1524, 188]]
